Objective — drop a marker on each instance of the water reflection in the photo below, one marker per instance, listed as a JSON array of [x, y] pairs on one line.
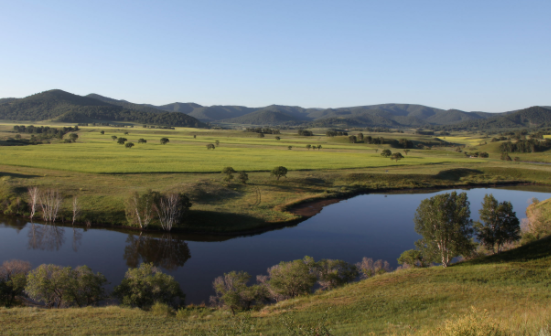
[[47, 237], [168, 251]]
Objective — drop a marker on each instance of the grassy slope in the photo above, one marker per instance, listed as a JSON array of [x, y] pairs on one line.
[[512, 287]]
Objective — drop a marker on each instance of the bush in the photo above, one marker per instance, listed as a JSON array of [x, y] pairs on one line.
[[146, 285], [290, 279], [13, 278], [162, 309]]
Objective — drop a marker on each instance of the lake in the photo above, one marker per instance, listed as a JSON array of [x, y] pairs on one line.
[[378, 226]]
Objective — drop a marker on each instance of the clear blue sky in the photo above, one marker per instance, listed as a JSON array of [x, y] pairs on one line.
[[471, 55]]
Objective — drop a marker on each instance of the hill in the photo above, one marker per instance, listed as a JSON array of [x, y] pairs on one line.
[[529, 117], [127, 105], [58, 105]]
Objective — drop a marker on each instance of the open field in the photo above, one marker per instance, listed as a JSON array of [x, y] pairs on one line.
[[509, 291]]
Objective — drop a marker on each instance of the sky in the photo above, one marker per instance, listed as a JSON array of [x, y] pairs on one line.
[[476, 55]]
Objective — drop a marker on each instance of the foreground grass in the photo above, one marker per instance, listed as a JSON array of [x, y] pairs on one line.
[[509, 291]]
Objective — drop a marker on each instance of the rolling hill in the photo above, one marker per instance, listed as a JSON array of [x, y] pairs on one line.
[[58, 105]]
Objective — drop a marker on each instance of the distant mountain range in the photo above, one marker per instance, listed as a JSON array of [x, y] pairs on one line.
[[63, 106]]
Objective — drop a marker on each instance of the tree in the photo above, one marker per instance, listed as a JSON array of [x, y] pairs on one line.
[[129, 145], [217, 143], [171, 209], [210, 146], [406, 151], [386, 153], [102, 132], [376, 150], [114, 137], [142, 141], [126, 132], [505, 156], [194, 136], [139, 209], [260, 135], [73, 137], [145, 285], [229, 171], [121, 141], [352, 139], [445, 225], [279, 172], [332, 273], [412, 258], [232, 291], [308, 147], [243, 177], [278, 138], [319, 147], [289, 147], [13, 278], [368, 268], [396, 156], [290, 279], [164, 141], [60, 287], [499, 224]]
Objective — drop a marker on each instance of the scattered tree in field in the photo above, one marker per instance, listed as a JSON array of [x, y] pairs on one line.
[[260, 135], [142, 141], [217, 143], [102, 132], [396, 156], [290, 279], [484, 155], [232, 291], [499, 224], [278, 138], [289, 147], [332, 273], [126, 132], [50, 202], [412, 258], [352, 139], [114, 137], [376, 150], [319, 147], [13, 278], [140, 208], [164, 141], [34, 196], [308, 147], [171, 209], [129, 145], [368, 268], [505, 156], [194, 136], [121, 141], [143, 286], [360, 137], [210, 146], [229, 171], [279, 172], [73, 137], [406, 151], [243, 177], [445, 225], [56, 286], [386, 153]]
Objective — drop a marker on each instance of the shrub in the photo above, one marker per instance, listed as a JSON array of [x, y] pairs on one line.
[[290, 279], [162, 309], [13, 278]]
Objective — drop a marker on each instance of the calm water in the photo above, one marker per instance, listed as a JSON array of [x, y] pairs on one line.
[[378, 226]]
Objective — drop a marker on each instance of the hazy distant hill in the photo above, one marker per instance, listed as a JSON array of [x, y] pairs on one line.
[[125, 104], [529, 117], [59, 105]]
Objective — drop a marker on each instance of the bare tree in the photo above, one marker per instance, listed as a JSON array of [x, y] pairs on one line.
[[368, 268], [50, 202], [168, 210], [34, 195], [76, 208], [139, 209], [14, 267]]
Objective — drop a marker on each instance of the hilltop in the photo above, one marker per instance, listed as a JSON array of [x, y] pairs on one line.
[[58, 105]]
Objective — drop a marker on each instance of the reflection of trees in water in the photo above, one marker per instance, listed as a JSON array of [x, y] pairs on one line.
[[46, 237], [167, 251], [77, 239]]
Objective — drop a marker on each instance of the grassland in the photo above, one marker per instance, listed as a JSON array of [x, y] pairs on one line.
[[510, 292], [103, 174]]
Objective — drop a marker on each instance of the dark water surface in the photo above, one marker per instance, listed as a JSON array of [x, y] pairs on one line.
[[378, 226]]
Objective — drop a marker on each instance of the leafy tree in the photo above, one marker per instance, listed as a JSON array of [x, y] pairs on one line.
[[114, 137], [289, 147], [194, 136], [243, 177], [319, 147], [129, 145], [145, 285], [352, 139], [210, 146], [232, 290], [229, 171], [278, 138], [412, 258], [102, 132], [290, 279], [386, 153], [73, 137], [121, 141], [332, 273], [279, 172], [217, 143], [164, 141], [484, 155], [60, 287], [406, 151], [126, 132], [142, 140], [376, 150], [396, 156], [260, 135], [13, 278], [308, 147], [139, 209], [445, 225], [505, 156], [499, 224]]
